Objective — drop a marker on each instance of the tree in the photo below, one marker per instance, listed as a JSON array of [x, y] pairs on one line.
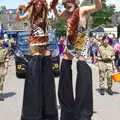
[[61, 27], [103, 16], [2, 9]]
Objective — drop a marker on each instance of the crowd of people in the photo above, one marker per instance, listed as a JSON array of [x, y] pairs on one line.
[[105, 59], [39, 100], [108, 62], [92, 44]]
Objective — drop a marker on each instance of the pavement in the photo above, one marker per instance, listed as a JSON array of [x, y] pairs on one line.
[[105, 107]]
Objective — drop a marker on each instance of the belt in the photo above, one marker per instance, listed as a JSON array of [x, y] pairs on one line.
[[105, 60]]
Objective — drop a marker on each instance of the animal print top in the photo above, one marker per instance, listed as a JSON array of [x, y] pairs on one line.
[[76, 47]]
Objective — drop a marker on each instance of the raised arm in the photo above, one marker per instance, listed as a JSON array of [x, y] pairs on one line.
[[26, 14], [92, 8]]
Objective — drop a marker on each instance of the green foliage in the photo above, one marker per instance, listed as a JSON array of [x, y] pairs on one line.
[[2, 9], [103, 16], [60, 26]]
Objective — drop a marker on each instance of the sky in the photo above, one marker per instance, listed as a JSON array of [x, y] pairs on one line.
[[116, 2], [16, 3], [12, 3]]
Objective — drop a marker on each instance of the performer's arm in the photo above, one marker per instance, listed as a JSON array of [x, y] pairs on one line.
[[26, 14], [92, 8], [19, 17]]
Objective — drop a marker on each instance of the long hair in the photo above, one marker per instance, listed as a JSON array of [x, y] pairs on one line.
[[39, 12], [73, 22]]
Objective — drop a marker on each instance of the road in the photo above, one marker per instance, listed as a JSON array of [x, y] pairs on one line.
[[105, 107]]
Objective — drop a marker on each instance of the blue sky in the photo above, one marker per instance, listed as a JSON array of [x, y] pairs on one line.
[[13, 3], [16, 3], [116, 2]]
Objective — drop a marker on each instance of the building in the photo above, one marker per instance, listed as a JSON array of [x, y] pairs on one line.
[[8, 19]]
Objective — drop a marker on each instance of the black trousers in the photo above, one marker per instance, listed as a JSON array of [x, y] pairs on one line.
[[39, 101], [80, 108]]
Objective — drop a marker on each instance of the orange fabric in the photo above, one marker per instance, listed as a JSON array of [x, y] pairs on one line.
[[116, 77]]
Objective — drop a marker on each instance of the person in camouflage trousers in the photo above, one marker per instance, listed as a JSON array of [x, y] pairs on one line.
[[3, 67], [105, 65]]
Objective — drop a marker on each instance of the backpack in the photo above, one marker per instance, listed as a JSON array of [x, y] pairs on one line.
[[2, 55]]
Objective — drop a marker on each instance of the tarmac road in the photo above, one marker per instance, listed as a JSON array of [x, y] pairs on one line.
[[105, 107]]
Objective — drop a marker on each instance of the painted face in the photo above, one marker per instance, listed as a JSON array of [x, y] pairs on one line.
[[38, 5], [69, 6]]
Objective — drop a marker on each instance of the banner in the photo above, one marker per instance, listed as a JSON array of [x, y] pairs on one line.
[[22, 41]]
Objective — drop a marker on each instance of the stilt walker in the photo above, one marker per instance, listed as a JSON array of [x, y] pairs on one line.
[[39, 100], [80, 108]]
